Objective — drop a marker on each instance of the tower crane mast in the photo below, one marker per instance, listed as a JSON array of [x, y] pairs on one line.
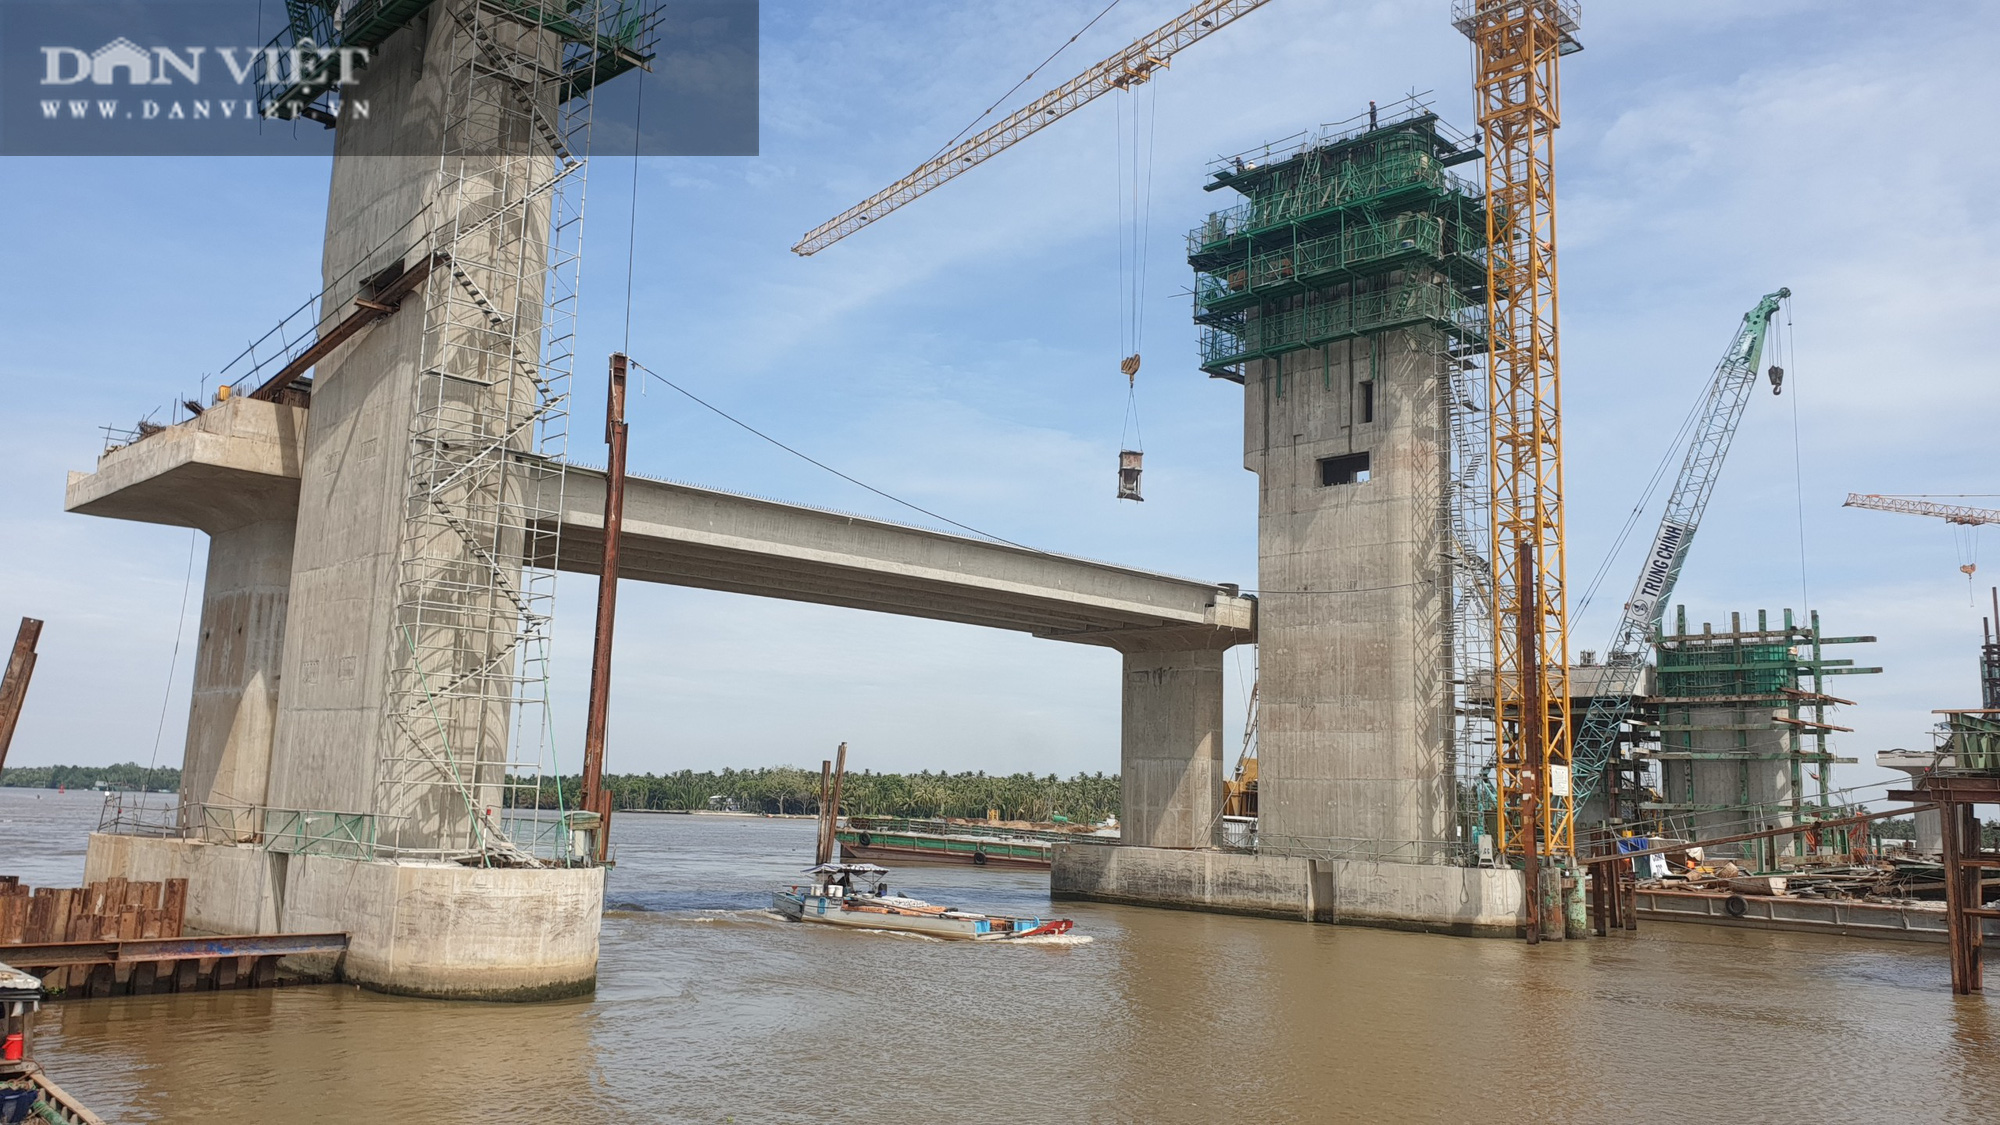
[[1128, 68], [1714, 430], [1517, 45]]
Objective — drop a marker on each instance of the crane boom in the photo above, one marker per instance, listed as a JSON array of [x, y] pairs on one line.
[[1129, 67], [1950, 513], [1715, 428]]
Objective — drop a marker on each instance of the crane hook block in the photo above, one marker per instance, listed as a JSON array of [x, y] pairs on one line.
[[1128, 474], [1777, 375], [1129, 367]]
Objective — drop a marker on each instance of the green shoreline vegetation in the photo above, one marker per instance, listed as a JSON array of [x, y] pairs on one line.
[[128, 777], [1085, 798]]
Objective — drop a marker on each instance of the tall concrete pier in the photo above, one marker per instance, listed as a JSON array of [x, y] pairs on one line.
[[377, 599], [1342, 294]]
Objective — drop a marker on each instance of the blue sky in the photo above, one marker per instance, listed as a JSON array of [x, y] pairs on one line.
[[963, 354]]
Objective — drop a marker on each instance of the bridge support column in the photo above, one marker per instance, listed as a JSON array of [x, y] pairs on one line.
[[1171, 748], [235, 698]]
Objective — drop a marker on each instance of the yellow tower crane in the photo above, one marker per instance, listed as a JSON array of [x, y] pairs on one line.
[[1517, 45]]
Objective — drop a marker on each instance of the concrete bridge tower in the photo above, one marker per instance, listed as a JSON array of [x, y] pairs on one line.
[[1344, 294], [365, 743]]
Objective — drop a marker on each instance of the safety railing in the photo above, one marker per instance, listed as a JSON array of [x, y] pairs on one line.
[[318, 832], [1313, 192], [349, 835], [141, 814]]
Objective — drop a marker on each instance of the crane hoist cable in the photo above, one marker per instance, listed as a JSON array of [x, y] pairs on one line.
[[1970, 520], [1135, 207]]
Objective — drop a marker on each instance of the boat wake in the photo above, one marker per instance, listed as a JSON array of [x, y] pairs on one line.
[[902, 934], [1051, 939]]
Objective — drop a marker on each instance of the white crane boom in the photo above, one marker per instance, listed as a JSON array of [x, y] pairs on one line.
[[1708, 445], [1950, 513], [1129, 67]]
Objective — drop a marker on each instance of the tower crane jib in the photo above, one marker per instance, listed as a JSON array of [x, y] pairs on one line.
[[1950, 513], [1122, 71]]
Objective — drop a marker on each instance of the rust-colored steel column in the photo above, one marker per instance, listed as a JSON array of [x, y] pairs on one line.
[[833, 812], [1527, 623], [1975, 895], [595, 798], [14, 689], [820, 854]]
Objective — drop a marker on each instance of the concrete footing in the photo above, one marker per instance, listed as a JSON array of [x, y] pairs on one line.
[[431, 929], [1469, 901]]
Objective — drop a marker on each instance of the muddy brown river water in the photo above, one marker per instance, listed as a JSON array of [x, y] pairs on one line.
[[709, 1009]]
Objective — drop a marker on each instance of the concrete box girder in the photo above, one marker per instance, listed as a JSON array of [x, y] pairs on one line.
[[684, 535]]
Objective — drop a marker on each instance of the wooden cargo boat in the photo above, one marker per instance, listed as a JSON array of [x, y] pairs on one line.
[[833, 899]]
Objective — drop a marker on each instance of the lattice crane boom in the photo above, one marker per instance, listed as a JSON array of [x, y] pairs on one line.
[[1516, 48], [1129, 67], [1715, 428], [1950, 513]]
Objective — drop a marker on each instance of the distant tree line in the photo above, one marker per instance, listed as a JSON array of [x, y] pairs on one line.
[[1085, 798], [128, 777]]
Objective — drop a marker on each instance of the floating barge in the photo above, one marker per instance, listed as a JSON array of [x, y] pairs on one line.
[[948, 842]]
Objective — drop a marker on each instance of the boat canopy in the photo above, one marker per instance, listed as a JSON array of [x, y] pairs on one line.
[[847, 869]]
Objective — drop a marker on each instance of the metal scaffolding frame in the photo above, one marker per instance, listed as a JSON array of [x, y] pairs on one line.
[[1516, 47], [1747, 701], [467, 744]]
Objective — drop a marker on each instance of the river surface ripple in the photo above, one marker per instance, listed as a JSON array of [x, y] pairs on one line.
[[709, 1009]]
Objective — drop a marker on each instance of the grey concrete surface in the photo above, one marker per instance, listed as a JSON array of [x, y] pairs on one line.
[[1730, 783], [1170, 761], [1354, 656], [232, 472], [1432, 898], [685, 535], [422, 929], [1929, 825]]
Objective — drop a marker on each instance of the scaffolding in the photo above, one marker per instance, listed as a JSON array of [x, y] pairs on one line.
[[1349, 232], [1740, 723], [1357, 230], [476, 580]]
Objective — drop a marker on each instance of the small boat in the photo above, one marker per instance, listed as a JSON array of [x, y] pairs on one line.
[[832, 898], [26, 1092]]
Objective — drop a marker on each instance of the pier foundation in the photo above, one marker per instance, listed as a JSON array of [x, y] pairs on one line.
[[1430, 898], [440, 930]]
